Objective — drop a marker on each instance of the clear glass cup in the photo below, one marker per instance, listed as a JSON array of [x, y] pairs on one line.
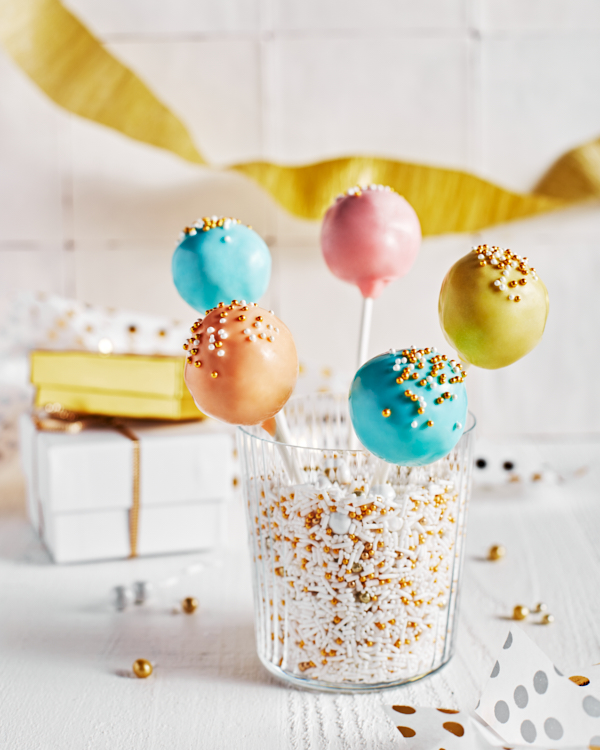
[[356, 563]]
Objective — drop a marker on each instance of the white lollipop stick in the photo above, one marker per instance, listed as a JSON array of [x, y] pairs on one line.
[[365, 331], [290, 460]]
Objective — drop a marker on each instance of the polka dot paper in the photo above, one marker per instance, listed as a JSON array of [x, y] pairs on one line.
[[527, 702], [530, 703]]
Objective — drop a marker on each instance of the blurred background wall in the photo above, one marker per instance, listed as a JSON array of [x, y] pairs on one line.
[[497, 87]]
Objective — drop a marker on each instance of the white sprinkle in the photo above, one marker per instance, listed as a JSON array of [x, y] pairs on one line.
[[396, 368], [222, 320], [269, 326], [227, 238], [221, 353], [511, 296], [502, 287], [497, 283], [214, 218], [271, 338], [211, 347], [414, 424], [212, 339], [458, 426], [480, 257], [246, 331], [404, 360], [262, 335], [242, 302], [252, 337], [223, 334], [257, 324], [210, 330], [276, 329]]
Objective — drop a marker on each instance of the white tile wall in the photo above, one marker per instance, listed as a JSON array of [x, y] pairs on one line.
[[400, 97], [498, 86], [174, 17], [538, 99]]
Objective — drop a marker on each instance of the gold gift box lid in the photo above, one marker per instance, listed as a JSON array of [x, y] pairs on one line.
[[119, 385]]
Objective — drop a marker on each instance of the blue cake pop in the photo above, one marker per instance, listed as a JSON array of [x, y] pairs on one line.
[[220, 259], [409, 407]]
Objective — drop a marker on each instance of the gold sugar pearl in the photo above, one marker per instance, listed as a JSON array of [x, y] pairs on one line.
[[242, 317], [522, 282], [517, 298], [189, 605], [386, 412], [218, 344], [430, 423], [142, 668], [399, 381], [185, 347], [547, 619], [420, 410], [214, 374], [541, 607], [520, 612], [198, 364], [497, 552], [188, 360], [259, 317], [580, 680]]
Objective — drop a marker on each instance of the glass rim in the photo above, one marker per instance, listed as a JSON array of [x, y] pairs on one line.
[[471, 424]]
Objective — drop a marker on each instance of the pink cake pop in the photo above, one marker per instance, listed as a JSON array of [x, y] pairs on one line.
[[370, 237]]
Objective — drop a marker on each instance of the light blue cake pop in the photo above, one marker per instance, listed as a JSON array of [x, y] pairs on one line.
[[409, 407], [219, 260]]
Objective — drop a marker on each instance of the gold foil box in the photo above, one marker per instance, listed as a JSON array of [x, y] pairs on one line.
[[119, 385]]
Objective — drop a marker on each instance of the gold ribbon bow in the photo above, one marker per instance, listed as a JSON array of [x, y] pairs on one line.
[[56, 419]]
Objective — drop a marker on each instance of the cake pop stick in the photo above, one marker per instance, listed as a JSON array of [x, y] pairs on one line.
[[219, 259], [242, 367], [493, 307], [370, 237], [409, 407]]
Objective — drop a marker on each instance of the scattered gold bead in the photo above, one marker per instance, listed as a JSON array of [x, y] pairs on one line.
[[580, 680], [522, 282], [540, 607], [198, 364], [242, 317], [547, 619], [218, 344], [497, 552], [142, 668], [188, 360], [189, 605], [386, 412], [520, 612], [512, 284], [430, 423], [420, 410], [214, 374], [185, 347], [517, 298], [399, 381]]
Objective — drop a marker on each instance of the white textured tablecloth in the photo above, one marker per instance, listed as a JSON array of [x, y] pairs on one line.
[[65, 654]]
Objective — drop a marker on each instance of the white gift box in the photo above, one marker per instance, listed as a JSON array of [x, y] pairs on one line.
[[80, 488]]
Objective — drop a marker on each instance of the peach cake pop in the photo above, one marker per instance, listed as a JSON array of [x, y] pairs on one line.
[[242, 364], [493, 307]]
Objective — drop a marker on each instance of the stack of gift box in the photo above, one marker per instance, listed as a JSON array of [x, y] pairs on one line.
[[119, 461]]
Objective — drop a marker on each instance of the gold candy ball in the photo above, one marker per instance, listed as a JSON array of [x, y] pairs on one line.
[[547, 619], [142, 668], [497, 552], [520, 612], [189, 605]]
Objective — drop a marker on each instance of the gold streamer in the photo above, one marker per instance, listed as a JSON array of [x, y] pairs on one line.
[[67, 62]]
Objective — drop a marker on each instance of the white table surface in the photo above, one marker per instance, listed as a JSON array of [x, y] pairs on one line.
[[65, 655]]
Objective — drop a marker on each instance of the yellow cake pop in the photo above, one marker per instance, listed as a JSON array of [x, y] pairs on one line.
[[493, 307]]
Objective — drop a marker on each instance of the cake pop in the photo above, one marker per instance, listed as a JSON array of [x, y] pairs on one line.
[[409, 407], [242, 364], [370, 237], [492, 307], [219, 259]]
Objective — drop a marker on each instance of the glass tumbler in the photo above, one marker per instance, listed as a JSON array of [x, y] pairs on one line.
[[356, 562]]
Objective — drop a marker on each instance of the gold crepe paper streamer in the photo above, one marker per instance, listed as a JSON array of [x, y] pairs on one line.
[[67, 62], [446, 200], [72, 67]]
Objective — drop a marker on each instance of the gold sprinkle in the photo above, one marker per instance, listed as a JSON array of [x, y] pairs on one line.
[[430, 423], [242, 317], [214, 374], [517, 298], [386, 412]]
